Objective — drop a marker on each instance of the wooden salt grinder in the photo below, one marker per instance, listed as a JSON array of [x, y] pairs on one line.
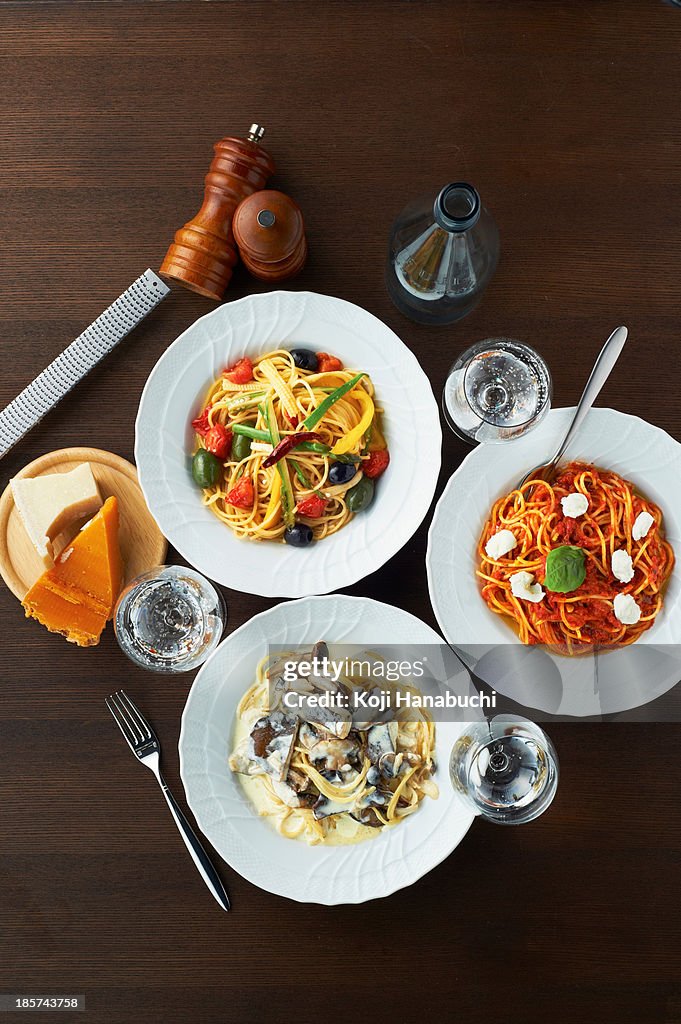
[[203, 254], [270, 233]]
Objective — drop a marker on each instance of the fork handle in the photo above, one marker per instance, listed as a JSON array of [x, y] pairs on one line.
[[607, 358], [198, 854]]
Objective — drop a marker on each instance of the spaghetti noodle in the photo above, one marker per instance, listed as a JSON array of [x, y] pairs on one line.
[[297, 449], [618, 527], [330, 790]]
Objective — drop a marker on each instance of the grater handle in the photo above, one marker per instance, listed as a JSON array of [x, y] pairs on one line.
[[79, 358]]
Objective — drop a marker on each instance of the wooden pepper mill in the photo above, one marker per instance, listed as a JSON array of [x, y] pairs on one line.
[[270, 233], [202, 255]]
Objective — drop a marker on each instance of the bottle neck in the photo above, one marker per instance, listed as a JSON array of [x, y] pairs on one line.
[[457, 207]]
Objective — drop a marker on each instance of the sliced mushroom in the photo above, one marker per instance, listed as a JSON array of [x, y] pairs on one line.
[[241, 762], [363, 810], [332, 753], [381, 740], [391, 764], [365, 717], [298, 781], [308, 735], [325, 807], [320, 650], [289, 795], [336, 718], [271, 743], [337, 721]]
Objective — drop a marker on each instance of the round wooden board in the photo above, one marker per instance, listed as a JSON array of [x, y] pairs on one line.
[[142, 543]]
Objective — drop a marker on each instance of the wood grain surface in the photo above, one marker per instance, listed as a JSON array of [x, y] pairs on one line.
[[566, 116]]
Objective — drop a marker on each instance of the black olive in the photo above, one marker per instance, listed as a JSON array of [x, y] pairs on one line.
[[305, 359], [341, 472], [299, 535]]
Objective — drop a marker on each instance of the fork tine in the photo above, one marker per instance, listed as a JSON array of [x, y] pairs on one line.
[[120, 722], [133, 728], [136, 715]]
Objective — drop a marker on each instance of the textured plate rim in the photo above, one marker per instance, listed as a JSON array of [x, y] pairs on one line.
[[385, 890], [436, 598], [395, 539]]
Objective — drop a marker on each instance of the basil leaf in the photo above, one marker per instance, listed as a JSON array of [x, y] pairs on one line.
[[565, 569]]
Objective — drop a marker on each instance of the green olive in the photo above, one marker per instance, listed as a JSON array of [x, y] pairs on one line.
[[206, 468], [241, 447], [361, 495]]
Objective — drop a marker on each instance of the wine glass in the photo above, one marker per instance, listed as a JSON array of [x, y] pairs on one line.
[[496, 390], [506, 769], [169, 619]]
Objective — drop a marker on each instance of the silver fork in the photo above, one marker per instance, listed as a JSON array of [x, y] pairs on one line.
[[144, 744]]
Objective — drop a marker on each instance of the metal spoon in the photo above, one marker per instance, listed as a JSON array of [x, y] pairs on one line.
[[607, 358]]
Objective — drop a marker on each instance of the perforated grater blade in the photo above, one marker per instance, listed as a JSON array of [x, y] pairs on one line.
[[79, 358]]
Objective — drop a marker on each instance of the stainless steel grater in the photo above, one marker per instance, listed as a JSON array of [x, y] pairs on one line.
[[79, 358]]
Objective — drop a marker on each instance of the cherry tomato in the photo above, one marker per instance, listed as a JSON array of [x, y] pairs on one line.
[[241, 372], [201, 424], [326, 363], [376, 464], [218, 440], [313, 506], [242, 494]]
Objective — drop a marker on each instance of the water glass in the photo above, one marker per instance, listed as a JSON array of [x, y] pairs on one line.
[[506, 769], [169, 619], [496, 390]]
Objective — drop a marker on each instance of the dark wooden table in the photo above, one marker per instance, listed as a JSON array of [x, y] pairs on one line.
[[566, 115]]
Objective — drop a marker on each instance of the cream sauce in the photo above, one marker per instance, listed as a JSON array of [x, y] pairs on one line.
[[341, 830]]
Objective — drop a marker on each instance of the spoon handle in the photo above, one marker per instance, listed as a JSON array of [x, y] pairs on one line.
[[607, 358]]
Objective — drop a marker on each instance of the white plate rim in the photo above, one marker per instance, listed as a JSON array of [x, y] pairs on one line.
[[462, 813], [659, 634], [347, 570]]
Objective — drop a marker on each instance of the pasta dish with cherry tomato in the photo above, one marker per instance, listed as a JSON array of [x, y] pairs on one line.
[[577, 562], [289, 446]]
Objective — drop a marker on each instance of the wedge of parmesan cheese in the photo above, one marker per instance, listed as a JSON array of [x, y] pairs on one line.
[[49, 504]]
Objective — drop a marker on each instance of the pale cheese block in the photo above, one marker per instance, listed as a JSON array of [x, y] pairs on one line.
[[49, 504]]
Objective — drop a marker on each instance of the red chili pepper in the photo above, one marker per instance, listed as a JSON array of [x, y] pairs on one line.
[[242, 494], [313, 506], [376, 464], [201, 424], [293, 420], [241, 372], [326, 363], [286, 444], [218, 440]]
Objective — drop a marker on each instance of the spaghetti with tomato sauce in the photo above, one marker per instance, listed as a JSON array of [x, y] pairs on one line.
[[613, 524]]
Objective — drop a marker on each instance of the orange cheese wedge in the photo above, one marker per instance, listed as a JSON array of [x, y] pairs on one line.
[[77, 595]]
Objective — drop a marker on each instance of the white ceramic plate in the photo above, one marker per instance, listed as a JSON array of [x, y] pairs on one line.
[[174, 394], [623, 679], [310, 874]]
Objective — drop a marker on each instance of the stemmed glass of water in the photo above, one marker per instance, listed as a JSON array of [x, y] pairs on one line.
[[506, 769], [169, 619], [496, 390]]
